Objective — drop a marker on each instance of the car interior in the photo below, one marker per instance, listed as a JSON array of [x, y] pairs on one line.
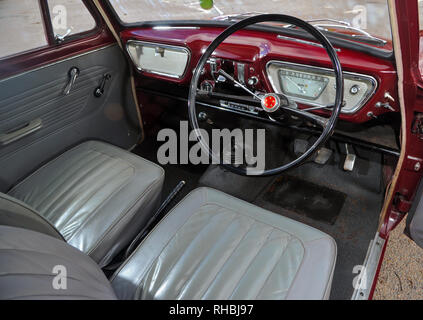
[[82, 186]]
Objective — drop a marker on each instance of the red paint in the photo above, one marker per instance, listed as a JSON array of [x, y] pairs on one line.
[[256, 48], [409, 177]]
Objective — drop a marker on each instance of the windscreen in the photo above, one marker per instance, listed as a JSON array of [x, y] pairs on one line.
[[371, 16]]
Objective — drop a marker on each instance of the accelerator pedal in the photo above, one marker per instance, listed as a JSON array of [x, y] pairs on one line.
[[349, 160]]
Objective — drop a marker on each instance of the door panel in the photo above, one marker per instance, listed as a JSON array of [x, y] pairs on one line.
[[414, 223], [66, 120]]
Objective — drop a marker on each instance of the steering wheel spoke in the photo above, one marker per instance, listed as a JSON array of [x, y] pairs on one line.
[[320, 121]]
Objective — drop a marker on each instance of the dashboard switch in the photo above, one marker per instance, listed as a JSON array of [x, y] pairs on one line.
[[240, 70], [371, 115], [252, 81], [388, 96], [202, 116], [384, 105]]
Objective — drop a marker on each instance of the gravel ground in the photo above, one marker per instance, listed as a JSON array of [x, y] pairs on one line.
[[401, 275]]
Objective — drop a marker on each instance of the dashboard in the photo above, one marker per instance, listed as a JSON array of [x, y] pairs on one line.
[[265, 62]]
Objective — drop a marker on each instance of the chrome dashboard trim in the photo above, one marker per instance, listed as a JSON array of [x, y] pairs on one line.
[[314, 44], [165, 46], [309, 68], [175, 27]]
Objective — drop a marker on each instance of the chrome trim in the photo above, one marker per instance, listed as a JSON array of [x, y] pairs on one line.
[[61, 37], [370, 264], [311, 43], [346, 27], [73, 74], [242, 113], [224, 104], [57, 62], [308, 68], [31, 127], [164, 46], [322, 20], [175, 27]]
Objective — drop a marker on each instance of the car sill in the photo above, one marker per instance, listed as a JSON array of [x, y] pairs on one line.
[[364, 285]]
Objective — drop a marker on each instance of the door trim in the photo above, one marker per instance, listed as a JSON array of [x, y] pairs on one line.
[[57, 62]]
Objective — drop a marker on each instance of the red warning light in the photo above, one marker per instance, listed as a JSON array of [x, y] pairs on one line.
[[269, 102]]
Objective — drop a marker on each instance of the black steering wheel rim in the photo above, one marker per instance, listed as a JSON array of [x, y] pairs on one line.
[[331, 123]]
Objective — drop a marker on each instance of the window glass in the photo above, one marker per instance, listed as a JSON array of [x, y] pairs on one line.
[[70, 17], [21, 27], [371, 16]]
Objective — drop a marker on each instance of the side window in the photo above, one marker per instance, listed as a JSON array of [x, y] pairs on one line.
[[22, 27], [69, 17]]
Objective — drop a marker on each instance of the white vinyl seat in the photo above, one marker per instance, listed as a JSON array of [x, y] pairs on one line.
[[96, 195], [214, 246]]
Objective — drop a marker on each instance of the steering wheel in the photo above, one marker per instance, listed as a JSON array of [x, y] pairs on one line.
[[272, 103]]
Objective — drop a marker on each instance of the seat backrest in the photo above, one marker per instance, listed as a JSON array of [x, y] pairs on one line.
[[16, 213], [36, 266]]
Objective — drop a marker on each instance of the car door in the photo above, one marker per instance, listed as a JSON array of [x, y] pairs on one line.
[[63, 80]]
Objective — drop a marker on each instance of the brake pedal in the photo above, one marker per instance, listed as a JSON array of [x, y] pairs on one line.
[[349, 160], [300, 146], [323, 155]]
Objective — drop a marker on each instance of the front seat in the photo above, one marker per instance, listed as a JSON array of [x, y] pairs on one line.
[[210, 246], [96, 196]]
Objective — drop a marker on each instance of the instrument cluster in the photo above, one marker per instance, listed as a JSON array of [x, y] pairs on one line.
[[316, 87], [308, 86]]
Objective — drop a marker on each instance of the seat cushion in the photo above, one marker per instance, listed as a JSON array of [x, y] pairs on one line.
[[214, 246], [32, 263], [97, 196], [15, 213]]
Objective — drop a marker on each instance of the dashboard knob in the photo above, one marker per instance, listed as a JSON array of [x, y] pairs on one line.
[[354, 89], [221, 78], [202, 116], [206, 86], [252, 81]]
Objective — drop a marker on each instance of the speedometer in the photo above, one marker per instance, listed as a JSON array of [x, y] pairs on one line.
[[301, 84]]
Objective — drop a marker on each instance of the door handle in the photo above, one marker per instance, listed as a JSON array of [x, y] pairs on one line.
[[98, 92], [32, 126], [73, 74], [61, 37]]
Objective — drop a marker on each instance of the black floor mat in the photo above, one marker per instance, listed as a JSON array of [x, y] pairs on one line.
[[173, 173], [358, 219], [245, 188], [306, 198]]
